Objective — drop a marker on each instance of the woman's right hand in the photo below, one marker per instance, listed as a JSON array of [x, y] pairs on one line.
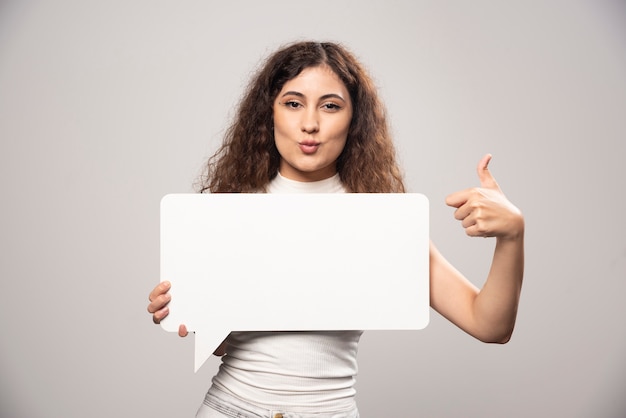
[[159, 299]]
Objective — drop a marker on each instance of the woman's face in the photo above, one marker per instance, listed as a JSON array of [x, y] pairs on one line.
[[312, 115]]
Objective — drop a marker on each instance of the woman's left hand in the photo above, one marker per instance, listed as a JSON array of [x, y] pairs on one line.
[[484, 211]]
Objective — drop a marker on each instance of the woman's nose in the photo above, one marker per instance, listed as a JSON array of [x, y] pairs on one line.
[[309, 122]]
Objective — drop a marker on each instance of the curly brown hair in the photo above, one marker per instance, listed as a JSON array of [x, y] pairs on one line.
[[248, 159]]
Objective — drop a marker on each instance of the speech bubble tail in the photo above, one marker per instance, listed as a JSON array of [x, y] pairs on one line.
[[206, 343]]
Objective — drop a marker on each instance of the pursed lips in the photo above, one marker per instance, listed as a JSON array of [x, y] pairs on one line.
[[308, 146]]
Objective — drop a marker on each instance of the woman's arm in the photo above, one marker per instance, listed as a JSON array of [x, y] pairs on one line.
[[489, 313]]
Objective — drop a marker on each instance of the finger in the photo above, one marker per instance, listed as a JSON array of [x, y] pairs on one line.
[[457, 199], [182, 331], [484, 175], [478, 230], [160, 314], [463, 212], [471, 220], [474, 231], [159, 302], [161, 288]]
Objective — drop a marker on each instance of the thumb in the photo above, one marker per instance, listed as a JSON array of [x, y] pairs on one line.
[[487, 181]]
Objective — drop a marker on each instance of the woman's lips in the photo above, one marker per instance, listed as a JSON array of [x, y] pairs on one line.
[[308, 147]]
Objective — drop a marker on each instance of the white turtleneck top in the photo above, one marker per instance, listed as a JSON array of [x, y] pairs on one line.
[[302, 371]]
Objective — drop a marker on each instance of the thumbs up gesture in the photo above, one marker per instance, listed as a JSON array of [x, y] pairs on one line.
[[484, 211]]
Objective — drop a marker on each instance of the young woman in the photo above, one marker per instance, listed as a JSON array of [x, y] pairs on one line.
[[311, 122]]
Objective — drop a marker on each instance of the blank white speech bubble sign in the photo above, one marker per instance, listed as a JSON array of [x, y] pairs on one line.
[[294, 262]]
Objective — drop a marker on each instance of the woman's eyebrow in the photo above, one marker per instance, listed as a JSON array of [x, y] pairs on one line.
[[323, 97], [292, 93], [332, 96]]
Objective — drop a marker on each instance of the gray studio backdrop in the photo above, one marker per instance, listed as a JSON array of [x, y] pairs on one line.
[[107, 106]]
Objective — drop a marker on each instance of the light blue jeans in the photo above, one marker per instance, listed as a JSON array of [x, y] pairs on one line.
[[218, 404]]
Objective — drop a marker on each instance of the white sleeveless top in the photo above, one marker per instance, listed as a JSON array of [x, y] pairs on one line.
[[302, 371]]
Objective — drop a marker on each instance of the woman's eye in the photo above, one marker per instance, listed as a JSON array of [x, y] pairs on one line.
[[331, 106], [292, 104]]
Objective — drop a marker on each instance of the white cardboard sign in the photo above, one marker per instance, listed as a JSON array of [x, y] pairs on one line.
[[287, 262]]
